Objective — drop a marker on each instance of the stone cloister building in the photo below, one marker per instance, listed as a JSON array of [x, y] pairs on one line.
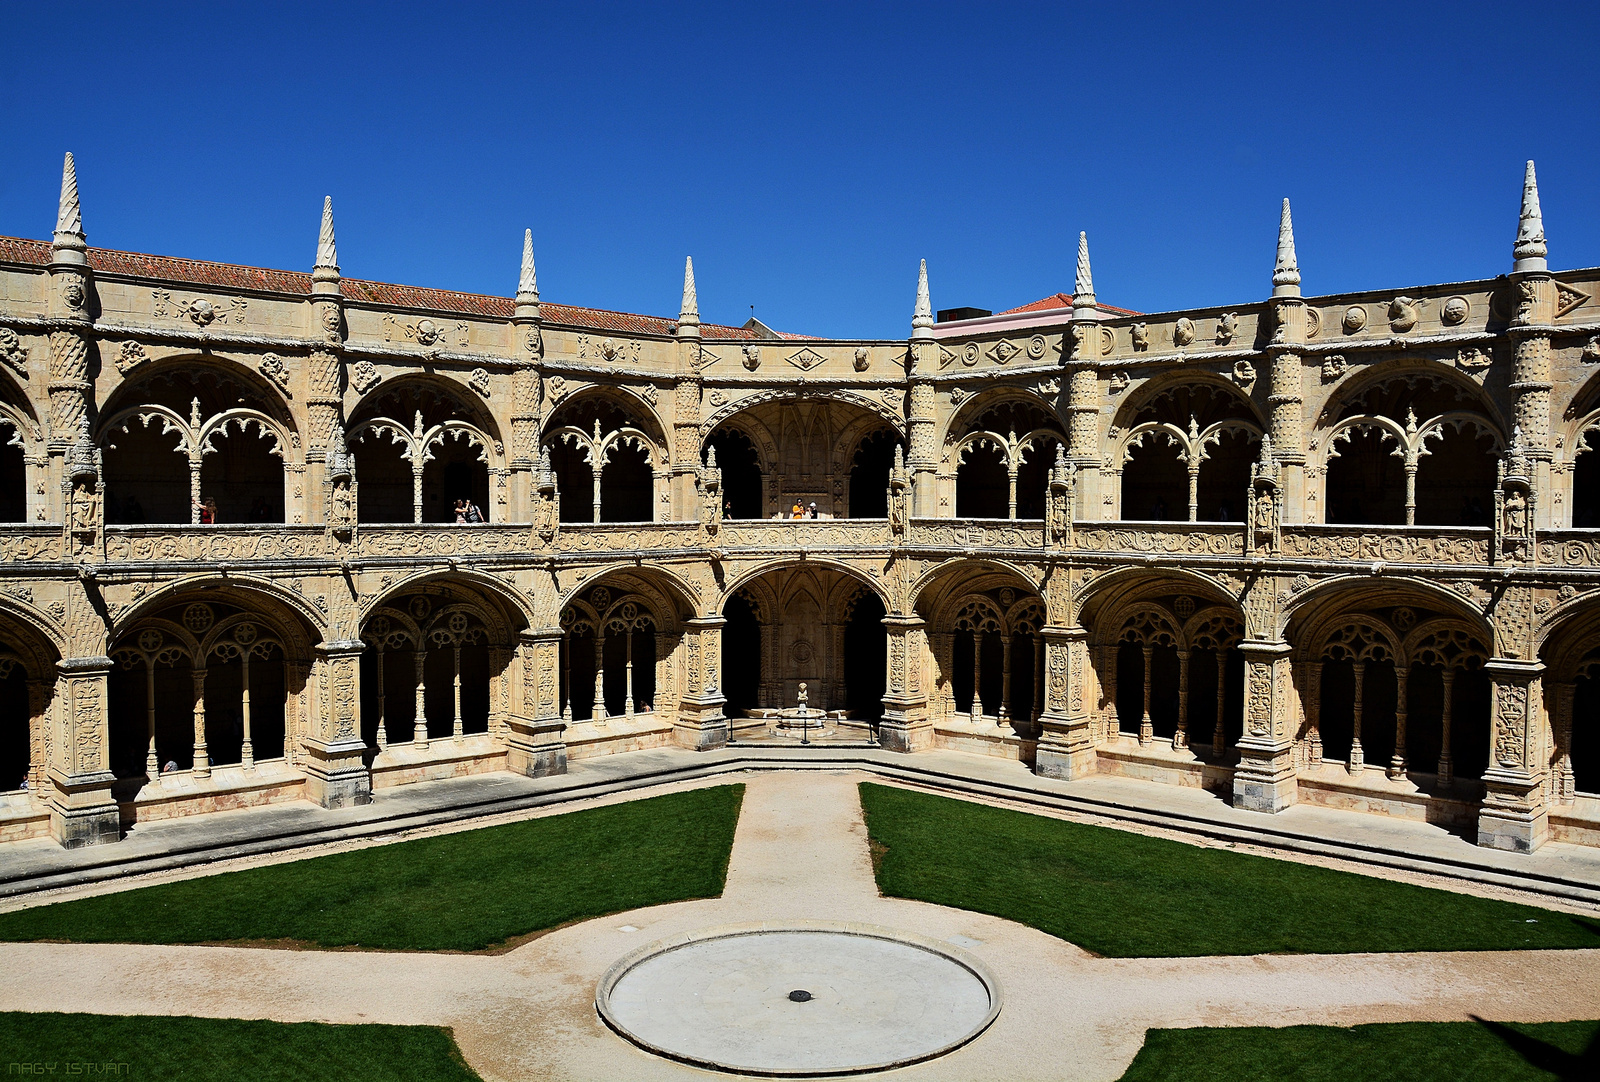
[[1340, 550]]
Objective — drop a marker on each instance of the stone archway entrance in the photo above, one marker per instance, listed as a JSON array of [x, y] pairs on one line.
[[813, 625]]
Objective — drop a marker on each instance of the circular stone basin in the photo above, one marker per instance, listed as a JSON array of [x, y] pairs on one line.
[[798, 999]]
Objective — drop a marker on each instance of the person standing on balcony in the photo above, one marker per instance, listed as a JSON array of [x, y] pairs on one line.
[[797, 511], [208, 511]]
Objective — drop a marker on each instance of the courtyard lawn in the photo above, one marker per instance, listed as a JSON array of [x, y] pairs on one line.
[[1124, 895], [208, 1049], [461, 892], [1414, 1051]]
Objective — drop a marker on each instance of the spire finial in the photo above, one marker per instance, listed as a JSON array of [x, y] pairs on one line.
[[1530, 250], [69, 245], [689, 312], [528, 283], [922, 315], [69, 218], [1083, 304], [327, 255], [1286, 274]]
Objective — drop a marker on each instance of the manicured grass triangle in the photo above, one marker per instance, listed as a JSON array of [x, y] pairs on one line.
[[162, 1049], [1124, 895], [463, 892], [1414, 1051]]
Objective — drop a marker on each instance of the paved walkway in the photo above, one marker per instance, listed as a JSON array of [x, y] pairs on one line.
[[1559, 870], [800, 852]]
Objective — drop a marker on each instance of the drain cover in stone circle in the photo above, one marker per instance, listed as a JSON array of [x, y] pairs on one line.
[[799, 999]]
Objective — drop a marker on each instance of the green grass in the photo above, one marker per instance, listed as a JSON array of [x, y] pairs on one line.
[[159, 1049], [1124, 895], [1414, 1051], [462, 892]]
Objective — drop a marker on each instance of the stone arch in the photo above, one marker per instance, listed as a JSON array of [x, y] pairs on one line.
[[441, 658], [806, 443], [249, 590], [190, 428], [22, 457], [1359, 382], [420, 441], [1142, 397], [209, 673], [626, 399], [30, 646], [1569, 646], [983, 621], [811, 561], [962, 417]]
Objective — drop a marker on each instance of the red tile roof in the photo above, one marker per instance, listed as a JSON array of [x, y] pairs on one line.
[[1062, 300], [199, 272]]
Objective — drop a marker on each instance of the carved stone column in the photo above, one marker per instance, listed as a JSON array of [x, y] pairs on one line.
[[1397, 761], [535, 745], [82, 810], [1066, 739], [1514, 815], [1264, 780], [1534, 297], [686, 437], [1285, 401], [336, 776], [1180, 738], [923, 461], [906, 725], [1083, 437], [1446, 768], [1563, 787], [202, 757], [700, 722]]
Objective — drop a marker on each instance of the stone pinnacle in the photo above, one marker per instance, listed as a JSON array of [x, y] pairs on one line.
[[1083, 303], [327, 255], [1530, 250], [528, 283], [689, 312], [1286, 273], [922, 315], [69, 217]]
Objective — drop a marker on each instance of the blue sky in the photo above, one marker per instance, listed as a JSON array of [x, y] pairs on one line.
[[808, 155]]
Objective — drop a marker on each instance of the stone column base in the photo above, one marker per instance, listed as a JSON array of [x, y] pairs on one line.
[[1513, 817], [82, 812], [904, 734], [535, 749], [1264, 781], [336, 776], [1063, 761], [706, 734]]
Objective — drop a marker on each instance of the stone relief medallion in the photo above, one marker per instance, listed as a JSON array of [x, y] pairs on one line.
[[197, 617], [802, 652], [1184, 607], [1313, 322], [419, 607], [1036, 347], [969, 354], [1355, 318], [1455, 310]]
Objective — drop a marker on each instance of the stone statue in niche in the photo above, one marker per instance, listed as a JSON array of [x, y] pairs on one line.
[[1516, 515], [1265, 512], [85, 507], [341, 509]]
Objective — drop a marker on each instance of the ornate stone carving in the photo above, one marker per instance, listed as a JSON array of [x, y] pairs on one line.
[[364, 375], [861, 359], [271, 365], [1355, 318], [1333, 366], [1140, 333], [479, 381], [1244, 373], [1454, 311], [1037, 347], [1473, 359], [201, 311], [806, 359], [1118, 383], [752, 357], [1002, 351], [1183, 332], [1403, 314], [14, 353], [1227, 327]]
